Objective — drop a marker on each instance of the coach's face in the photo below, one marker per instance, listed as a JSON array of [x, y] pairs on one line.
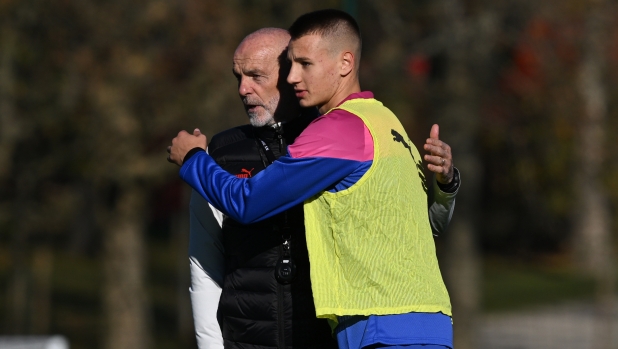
[[261, 67], [257, 70]]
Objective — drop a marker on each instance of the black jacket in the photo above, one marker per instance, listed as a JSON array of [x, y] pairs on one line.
[[255, 310]]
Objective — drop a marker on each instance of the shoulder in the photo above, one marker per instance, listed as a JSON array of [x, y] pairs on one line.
[[229, 137], [331, 124], [338, 134]]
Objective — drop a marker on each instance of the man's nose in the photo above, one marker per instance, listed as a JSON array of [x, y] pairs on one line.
[[244, 86], [293, 76]]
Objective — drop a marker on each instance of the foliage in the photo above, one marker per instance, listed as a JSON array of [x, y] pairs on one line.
[[92, 91]]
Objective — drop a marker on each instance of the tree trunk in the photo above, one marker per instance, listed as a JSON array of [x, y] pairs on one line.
[[123, 258], [459, 121], [9, 126], [19, 287], [40, 308], [592, 236], [180, 240], [461, 260], [121, 214], [18, 283]]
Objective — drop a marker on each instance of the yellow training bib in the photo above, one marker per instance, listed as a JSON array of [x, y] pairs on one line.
[[370, 246]]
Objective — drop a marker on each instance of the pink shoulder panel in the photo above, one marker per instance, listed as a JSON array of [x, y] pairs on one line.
[[338, 134]]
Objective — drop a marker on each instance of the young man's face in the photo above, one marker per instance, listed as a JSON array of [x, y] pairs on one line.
[[314, 72]]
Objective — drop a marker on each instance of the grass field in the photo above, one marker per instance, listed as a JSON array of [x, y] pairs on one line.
[[511, 285], [76, 292]]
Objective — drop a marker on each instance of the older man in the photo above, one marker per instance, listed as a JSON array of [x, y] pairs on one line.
[[257, 308], [266, 300]]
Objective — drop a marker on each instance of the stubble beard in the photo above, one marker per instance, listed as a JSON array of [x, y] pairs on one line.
[[266, 116]]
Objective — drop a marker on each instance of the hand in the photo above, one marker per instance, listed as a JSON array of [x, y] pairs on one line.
[[183, 143], [439, 159]]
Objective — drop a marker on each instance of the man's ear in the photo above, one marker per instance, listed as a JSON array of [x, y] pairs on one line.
[[347, 63]]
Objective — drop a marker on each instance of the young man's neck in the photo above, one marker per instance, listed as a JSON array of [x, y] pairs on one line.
[[287, 113], [344, 90]]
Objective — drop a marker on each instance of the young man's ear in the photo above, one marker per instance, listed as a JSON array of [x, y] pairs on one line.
[[347, 63]]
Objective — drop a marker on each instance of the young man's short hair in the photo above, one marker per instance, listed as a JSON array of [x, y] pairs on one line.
[[327, 23]]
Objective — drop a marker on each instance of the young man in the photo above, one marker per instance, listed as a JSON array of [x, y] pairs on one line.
[[373, 264]]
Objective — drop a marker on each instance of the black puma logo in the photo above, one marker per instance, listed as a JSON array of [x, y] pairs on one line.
[[397, 137]]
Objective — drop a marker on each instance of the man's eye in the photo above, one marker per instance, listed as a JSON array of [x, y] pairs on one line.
[[305, 64]]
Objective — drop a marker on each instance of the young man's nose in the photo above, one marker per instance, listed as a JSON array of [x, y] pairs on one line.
[[293, 76]]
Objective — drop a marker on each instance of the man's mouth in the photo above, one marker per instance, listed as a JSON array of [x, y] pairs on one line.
[[300, 93], [251, 107]]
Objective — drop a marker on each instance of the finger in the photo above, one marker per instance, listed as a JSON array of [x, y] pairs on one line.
[[169, 159], [434, 142], [439, 146], [436, 160], [197, 132], [430, 148], [205, 142], [435, 132], [437, 151], [436, 169], [169, 148]]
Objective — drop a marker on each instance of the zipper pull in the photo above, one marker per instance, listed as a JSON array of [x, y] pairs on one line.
[[280, 136]]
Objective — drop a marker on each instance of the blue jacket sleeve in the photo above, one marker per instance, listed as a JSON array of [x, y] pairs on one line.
[[282, 185]]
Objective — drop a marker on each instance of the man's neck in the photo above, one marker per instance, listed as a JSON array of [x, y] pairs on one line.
[[344, 90]]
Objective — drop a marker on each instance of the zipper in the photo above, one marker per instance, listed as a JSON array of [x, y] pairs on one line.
[[280, 322], [280, 136], [279, 132]]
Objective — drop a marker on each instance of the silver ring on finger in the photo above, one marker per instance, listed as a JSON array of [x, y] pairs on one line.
[[443, 161]]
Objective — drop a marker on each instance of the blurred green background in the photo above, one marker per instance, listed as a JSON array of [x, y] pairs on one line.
[[94, 222]]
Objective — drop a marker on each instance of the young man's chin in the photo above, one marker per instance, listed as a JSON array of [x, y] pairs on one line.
[[305, 103]]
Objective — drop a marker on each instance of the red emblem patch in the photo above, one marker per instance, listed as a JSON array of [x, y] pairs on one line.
[[244, 173]]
